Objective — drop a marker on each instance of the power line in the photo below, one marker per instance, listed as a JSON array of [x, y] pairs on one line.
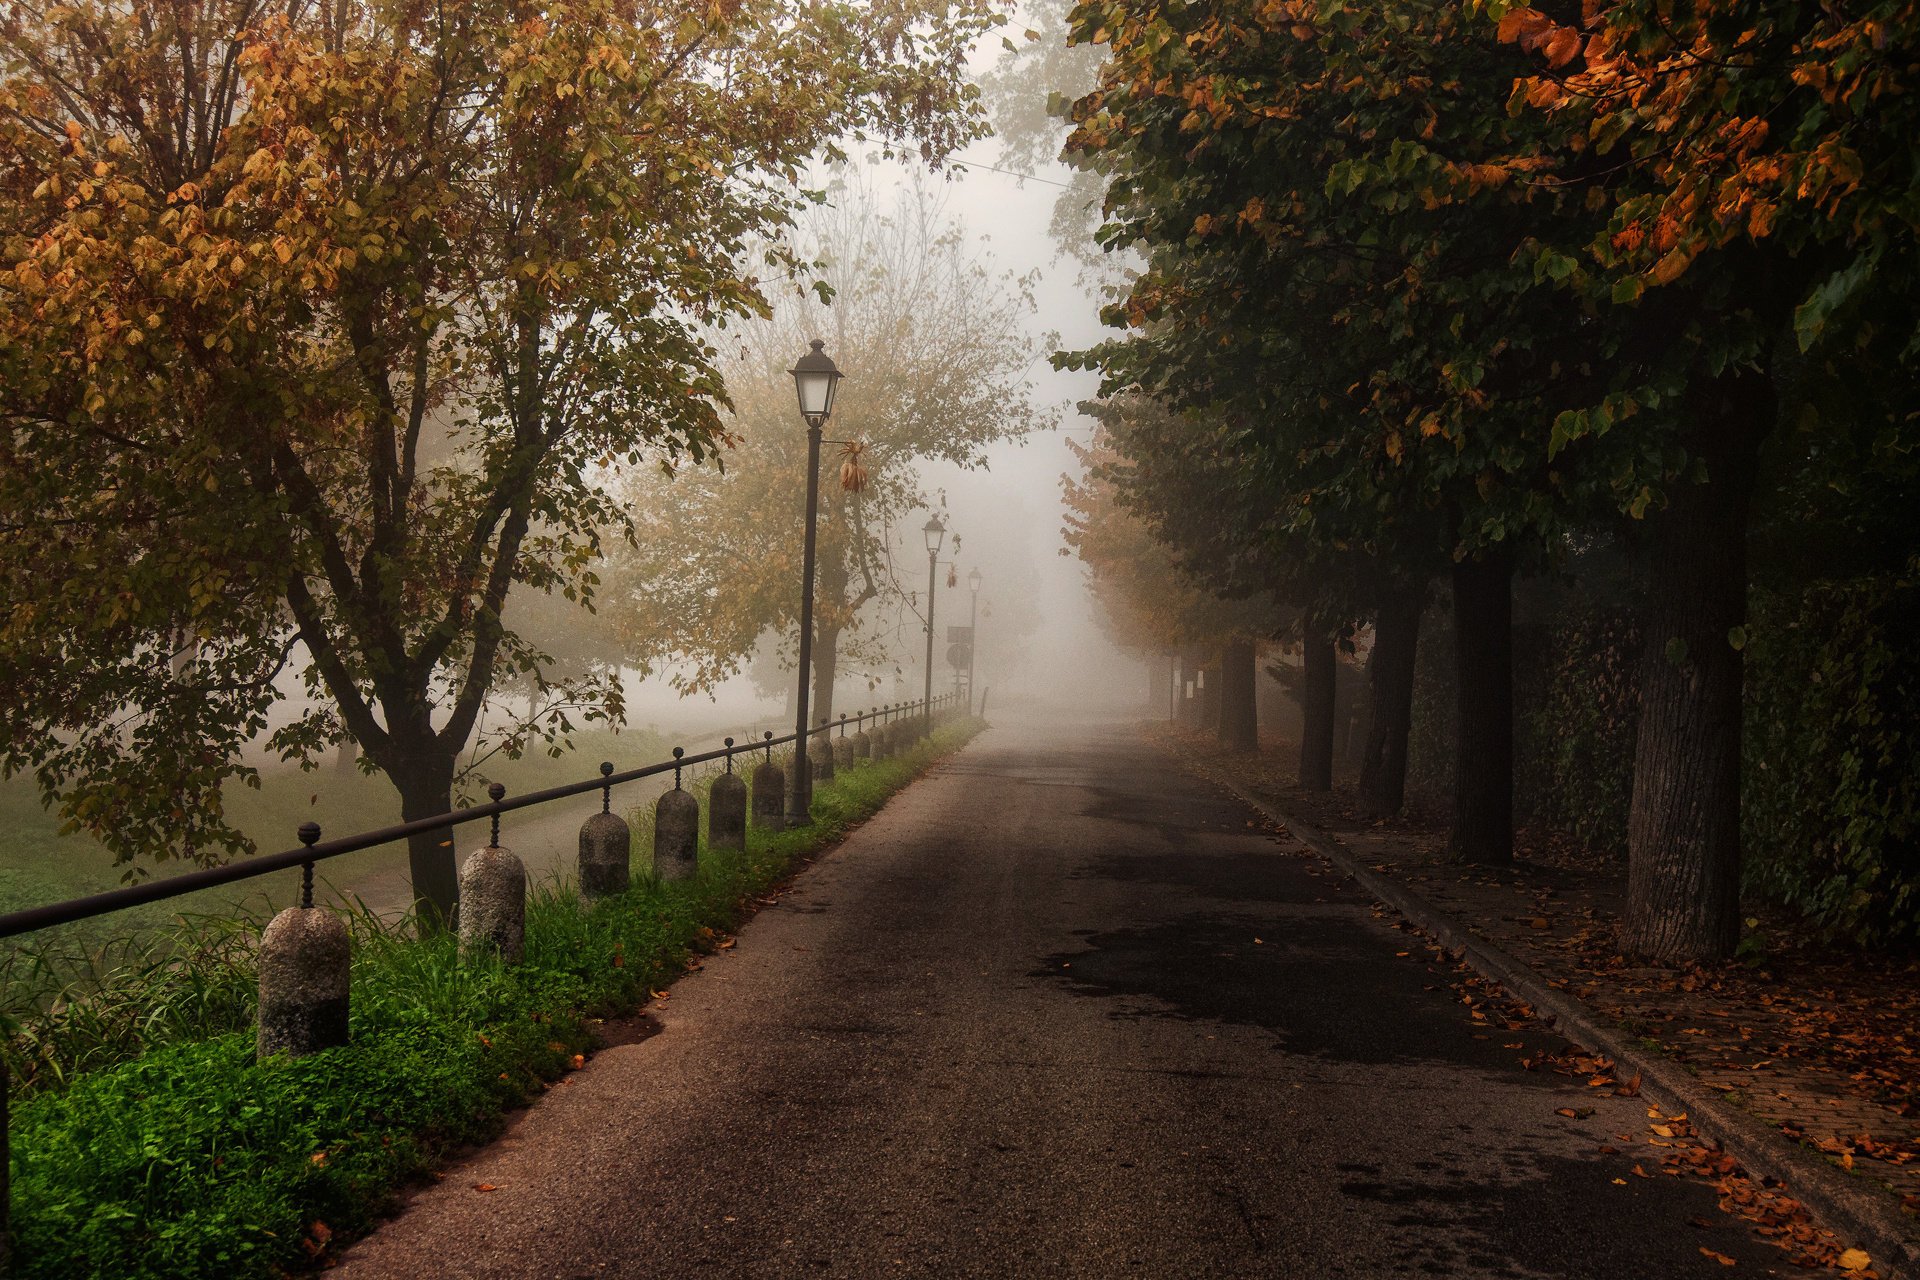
[[1011, 173]]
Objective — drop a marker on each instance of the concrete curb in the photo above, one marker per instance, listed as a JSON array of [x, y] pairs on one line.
[[1862, 1217]]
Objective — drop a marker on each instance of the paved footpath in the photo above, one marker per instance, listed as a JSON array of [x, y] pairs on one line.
[[1062, 1010]]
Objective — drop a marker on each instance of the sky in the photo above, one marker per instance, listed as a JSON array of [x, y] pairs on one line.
[[1012, 510]]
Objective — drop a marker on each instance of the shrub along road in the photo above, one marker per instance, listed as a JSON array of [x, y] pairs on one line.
[[1059, 1010]]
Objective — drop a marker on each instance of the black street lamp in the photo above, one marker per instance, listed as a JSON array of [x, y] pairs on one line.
[[936, 533], [815, 379], [973, 634]]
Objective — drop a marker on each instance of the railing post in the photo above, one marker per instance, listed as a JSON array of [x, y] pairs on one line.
[[769, 792], [676, 831], [606, 847], [493, 898], [304, 973], [727, 809]]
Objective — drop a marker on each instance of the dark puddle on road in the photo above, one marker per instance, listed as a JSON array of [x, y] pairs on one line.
[[1547, 1215], [1253, 876], [1180, 820], [1319, 985]]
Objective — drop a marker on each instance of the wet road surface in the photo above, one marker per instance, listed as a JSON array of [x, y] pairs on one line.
[[1063, 1010]]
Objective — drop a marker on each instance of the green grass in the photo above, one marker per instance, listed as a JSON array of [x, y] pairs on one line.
[[39, 865], [191, 1159]]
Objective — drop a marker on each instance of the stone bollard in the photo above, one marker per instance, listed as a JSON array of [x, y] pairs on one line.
[[606, 848], [820, 756], [843, 752], [769, 795], [863, 744], [304, 980], [676, 831], [727, 809], [493, 905]]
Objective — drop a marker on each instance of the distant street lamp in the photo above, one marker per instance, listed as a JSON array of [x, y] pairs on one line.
[[815, 379], [973, 634], [936, 533]]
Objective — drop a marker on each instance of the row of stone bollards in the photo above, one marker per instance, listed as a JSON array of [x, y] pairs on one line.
[[305, 952]]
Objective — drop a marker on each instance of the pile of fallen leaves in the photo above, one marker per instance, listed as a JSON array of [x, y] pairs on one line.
[[1774, 1215]]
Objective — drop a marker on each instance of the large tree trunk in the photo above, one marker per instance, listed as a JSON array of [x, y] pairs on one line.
[[1396, 642], [1239, 719], [1683, 829], [1318, 676], [826, 669], [1483, 694], [424, 779]]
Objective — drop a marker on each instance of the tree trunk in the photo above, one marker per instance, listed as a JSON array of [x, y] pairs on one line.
[[826, 669], [1318, 674], [1683, 827], [1210, 701], [424, 779], [1396, 640], [1483, 701], [1239, 720]]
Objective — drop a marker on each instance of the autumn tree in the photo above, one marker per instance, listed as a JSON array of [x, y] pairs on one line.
[[933, 341], [319, 326], [1154, 598], [1340, 226], [1754, 168]]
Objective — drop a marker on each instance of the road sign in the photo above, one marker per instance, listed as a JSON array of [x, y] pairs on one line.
[[959, 655], [959, 635]]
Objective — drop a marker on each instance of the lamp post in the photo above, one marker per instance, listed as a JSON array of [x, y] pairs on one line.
[[973, 634], [936, 533], [815, 379]]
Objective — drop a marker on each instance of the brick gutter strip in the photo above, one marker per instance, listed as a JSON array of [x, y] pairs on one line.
[[1864, 1217]]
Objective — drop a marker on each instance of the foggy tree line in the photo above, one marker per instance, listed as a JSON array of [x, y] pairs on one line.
[[1604, 311]]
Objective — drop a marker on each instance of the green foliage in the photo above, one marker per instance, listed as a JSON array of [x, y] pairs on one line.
[[1831, 811], [1576, 705], [194, 1160]]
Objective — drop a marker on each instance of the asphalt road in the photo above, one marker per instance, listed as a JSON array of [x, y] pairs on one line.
[[1062, 1010]]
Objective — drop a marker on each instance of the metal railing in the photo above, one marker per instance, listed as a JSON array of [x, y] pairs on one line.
[[314, 849]]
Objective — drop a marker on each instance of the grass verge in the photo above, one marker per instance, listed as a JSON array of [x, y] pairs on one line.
[[194, 1160]]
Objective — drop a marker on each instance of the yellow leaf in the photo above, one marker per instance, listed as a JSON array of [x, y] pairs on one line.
[[1855, 1260], [1671, 267]]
